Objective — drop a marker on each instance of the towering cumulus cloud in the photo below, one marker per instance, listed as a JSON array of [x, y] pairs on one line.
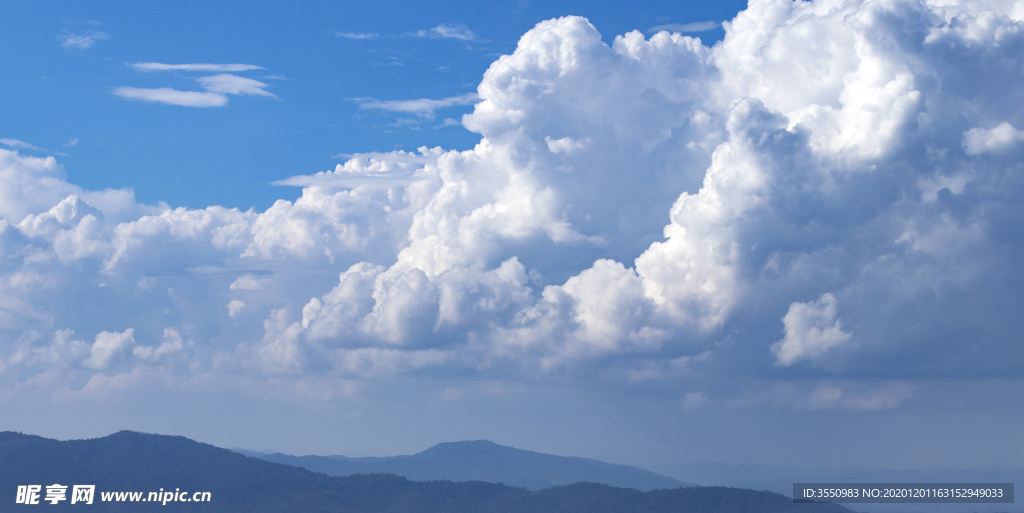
[[833, 190]]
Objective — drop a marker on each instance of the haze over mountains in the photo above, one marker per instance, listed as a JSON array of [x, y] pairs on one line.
[[482, 460], [130, 461]]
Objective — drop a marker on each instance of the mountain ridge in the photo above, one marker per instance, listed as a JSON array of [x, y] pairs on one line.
[[484, 460], [132, 461]]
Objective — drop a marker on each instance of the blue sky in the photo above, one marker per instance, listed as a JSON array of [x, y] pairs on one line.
[[230, 155], [571, 228]]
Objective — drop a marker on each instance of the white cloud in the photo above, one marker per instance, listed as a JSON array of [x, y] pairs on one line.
[[15, 143], [108, 347], [100, 385], [173, 96], [248, 282], [33, 186], [71, 40], [999, 138], [442, 31], [212, 68], [700, 26], [374, 170], [171, 344], [460, 32], [566, 144], [812, 328], [646, 210], [422, 107], [356, 35], [849, 395], [235, 307], [217, 86], [232, 84], [828, 396]]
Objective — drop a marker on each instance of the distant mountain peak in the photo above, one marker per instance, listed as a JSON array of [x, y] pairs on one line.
[[484, 460]]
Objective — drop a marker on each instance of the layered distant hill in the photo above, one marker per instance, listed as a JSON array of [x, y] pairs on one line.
[[137, 462], [481, 460]]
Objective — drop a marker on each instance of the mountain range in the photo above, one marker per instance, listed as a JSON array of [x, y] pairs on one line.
[[481, 460], [149, 464]]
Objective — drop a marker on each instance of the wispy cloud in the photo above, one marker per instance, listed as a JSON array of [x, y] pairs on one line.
[[70, 40], [700, 26], [217, 86], [452, 31], [173, 96], [233, 84], [71, 143], [355, 35], [15, 143], [213, 68], [459, 31], [422, 107]]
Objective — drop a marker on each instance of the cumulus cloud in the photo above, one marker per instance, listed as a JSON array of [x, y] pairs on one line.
[[999, 138], [235, 306], [647, 209], [374, 170], [171, 344], [811, 328], [71, 40], [108, 347], [32, 186]]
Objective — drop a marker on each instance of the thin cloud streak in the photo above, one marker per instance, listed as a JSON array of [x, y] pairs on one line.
[[81, 41], [422, 107], [217, 86], [224, 68], [173, 96], [15, 143], [454, 31], [233, 84], [354, 35], [460, 32]]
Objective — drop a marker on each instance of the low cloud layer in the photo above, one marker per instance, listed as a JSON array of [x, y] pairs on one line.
[[831, 190]]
